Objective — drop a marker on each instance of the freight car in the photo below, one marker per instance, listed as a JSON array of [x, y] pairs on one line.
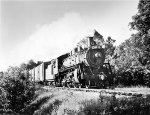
[[84, 66]]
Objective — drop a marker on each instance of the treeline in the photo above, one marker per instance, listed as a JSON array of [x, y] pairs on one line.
[[131, 59], [130, 65]]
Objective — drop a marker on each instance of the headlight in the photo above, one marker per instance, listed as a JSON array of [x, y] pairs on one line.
[[98, 55]]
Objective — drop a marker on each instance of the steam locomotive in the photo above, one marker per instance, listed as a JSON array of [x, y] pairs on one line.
[[84, 66]]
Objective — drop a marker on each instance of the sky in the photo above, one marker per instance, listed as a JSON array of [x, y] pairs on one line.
[[44, 29]]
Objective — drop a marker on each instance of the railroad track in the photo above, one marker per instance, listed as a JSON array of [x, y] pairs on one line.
[[102, 91]]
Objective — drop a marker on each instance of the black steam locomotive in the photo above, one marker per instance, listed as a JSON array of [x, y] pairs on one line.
[[84, 66]]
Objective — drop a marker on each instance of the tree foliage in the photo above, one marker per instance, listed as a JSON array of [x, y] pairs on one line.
[[141, 20], [126, 55], [141, 23], [109, 48], [132, 57]]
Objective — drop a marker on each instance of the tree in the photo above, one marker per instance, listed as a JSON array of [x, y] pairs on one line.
[[141, 23], [23, 66], [133, 55], [126, 55], [109, 48], [14, 72]]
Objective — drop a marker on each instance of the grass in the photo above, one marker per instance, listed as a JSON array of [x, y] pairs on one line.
[[67, 102], [46, 103], [120, 106]]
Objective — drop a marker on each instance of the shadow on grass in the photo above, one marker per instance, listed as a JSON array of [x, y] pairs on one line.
[[50, 109], [29, 110]]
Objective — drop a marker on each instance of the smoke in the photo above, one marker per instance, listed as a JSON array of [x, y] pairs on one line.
[[52, 40]]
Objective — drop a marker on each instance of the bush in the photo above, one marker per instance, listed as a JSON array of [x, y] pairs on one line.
[[17, 93], [133, 77]]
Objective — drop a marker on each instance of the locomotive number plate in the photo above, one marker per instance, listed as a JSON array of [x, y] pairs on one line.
[[96, 47]]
